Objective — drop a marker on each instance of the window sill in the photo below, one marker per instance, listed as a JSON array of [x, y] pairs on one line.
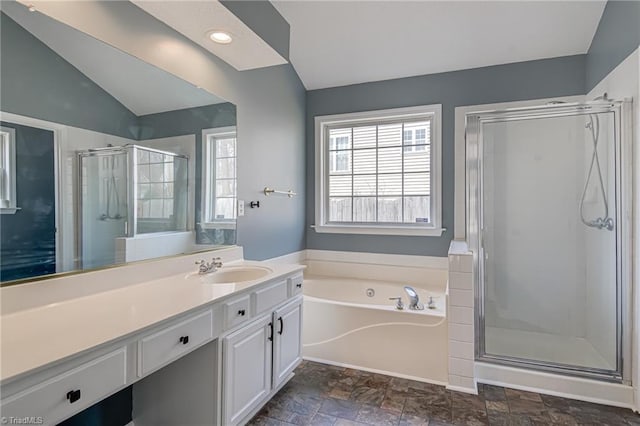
[[379, 230], [218, 225]]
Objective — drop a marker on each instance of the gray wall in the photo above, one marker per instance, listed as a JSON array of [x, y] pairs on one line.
[[502, 83], [28, 237], [617, 36], [39, 83]]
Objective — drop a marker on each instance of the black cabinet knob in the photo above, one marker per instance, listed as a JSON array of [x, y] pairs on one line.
[[299, 285], [184, 339], [241, 312], [73, 396]]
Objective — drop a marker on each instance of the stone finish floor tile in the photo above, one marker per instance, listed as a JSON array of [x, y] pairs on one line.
[[326, 395]]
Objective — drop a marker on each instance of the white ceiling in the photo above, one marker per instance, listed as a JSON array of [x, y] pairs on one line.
[[140, 87], [335, 43], [194, 19]]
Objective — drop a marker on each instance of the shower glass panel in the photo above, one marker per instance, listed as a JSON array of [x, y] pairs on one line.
[[549, 237]]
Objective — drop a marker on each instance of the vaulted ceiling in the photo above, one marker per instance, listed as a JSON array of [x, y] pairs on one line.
[[335, 43]]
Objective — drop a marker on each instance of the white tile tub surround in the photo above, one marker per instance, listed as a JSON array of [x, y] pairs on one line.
[[461, 319]]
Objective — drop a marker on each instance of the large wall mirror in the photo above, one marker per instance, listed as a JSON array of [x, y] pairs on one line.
[[104, 159]]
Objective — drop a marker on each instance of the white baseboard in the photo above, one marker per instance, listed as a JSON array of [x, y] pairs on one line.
[[462, 389], [595, 391], [295, 258]]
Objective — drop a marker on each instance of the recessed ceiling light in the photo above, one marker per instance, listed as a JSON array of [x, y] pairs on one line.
[[221, 37]]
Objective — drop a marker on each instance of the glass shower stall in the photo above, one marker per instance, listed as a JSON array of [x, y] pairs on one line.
[[127, 191], [548, 219]]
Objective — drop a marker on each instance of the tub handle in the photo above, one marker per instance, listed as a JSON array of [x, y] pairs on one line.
[[399, 304]]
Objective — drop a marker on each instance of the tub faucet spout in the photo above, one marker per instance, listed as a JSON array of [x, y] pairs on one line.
[[414, 300]]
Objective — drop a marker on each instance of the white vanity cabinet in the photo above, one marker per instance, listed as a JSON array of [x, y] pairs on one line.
[[216, 363], [247, 360], [287, 341], [67, 393], [259, 358]]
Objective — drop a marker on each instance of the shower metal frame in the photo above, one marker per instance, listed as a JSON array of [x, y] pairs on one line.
[[131, 221], [622, 116]]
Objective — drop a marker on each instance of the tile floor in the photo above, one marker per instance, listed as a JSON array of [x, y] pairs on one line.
[[325, 395]]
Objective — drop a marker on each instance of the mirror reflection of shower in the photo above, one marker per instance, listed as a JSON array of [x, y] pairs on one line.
[[595, 171], [111, 169], [128, 191]]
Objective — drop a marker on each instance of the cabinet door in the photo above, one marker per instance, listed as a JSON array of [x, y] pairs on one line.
[[287, 345], [246, 379]]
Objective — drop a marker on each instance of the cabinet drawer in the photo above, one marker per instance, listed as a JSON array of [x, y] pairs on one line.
[[70, 392], [172, 342], [295, 285], [236, 311], [268, 297]]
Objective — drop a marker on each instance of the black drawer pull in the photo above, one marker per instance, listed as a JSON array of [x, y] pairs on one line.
[[281, 325], [73, 396], [299, 285], [241, 312], [184, 339]]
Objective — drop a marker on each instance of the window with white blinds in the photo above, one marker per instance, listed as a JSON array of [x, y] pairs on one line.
[[377, 172]]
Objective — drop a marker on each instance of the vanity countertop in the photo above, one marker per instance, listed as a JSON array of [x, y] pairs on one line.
[[34, 338]]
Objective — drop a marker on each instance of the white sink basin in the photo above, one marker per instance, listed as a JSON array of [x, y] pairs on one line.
[[232, 274]]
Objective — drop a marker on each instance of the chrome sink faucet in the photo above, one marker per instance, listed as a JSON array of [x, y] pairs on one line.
[[414, 300], [206, 267]]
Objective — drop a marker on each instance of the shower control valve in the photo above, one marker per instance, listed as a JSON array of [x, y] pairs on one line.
[[432, 303], [399, 304]]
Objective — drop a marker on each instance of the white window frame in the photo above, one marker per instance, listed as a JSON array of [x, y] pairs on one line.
[[323, 123], [208, 192], [8, 145]]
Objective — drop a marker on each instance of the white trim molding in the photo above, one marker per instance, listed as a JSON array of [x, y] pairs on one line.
[[322, 124]]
